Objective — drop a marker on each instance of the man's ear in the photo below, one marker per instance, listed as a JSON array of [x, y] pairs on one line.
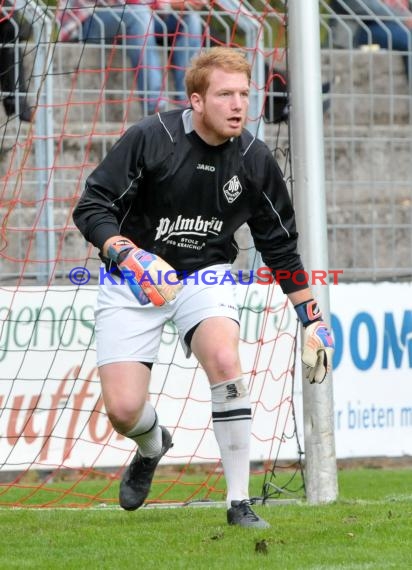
[[196, 102]]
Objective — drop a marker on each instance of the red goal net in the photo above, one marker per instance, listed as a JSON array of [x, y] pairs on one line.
[[57, 445]]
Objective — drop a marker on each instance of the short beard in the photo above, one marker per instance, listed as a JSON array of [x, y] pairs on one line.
[[210, 125]]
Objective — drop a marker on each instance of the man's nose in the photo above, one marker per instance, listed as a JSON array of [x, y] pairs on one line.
[[236, 101]]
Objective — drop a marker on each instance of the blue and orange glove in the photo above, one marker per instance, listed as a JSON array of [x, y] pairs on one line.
[[318, 345], [150, 278]]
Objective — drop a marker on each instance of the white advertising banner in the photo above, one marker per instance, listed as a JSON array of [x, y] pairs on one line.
[[372, 378], [51, 412]]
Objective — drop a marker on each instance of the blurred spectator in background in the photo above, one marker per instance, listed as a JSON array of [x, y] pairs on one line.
[[12, 81], [133, 22], [184, 33], [386, 23]]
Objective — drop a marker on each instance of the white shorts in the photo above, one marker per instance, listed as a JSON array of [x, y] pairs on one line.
[[127, 331]]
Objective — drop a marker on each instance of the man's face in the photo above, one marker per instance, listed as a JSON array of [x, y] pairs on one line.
[[222, 112]]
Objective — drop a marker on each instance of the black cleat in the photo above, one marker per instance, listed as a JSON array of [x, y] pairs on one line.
[[241, 514], [137, 478]]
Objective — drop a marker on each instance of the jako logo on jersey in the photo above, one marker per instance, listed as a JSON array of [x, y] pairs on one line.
[[207, 167], [232, 189], [187, 226]]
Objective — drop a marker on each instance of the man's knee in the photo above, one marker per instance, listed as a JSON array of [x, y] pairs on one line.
[[124, 415], [215, 343], [226, 359]]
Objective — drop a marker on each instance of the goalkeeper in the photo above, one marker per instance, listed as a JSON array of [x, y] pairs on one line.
[[166, 201]]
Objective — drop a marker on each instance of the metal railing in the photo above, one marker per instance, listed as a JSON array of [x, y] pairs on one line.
[[368, 143]]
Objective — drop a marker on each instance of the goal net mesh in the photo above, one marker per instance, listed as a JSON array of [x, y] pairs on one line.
[[57, 445]]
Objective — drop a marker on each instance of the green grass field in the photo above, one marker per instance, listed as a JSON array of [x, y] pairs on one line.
[[370, 526]]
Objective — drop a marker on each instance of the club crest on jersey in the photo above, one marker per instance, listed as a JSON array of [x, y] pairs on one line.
[[232, 189]]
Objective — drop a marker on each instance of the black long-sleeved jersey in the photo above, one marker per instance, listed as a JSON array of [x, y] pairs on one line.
[[168, 191]]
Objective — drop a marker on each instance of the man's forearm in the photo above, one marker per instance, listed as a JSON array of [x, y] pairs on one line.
[[301, 296], [108, 243]]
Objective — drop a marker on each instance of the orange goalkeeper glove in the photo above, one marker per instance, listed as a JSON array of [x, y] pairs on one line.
[[147, 275], [318, 345]]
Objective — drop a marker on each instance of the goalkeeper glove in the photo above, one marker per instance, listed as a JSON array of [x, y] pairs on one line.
[[318, 344], [145, 273]]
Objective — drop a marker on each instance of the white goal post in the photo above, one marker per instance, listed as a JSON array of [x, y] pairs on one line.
[[310, 203]]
